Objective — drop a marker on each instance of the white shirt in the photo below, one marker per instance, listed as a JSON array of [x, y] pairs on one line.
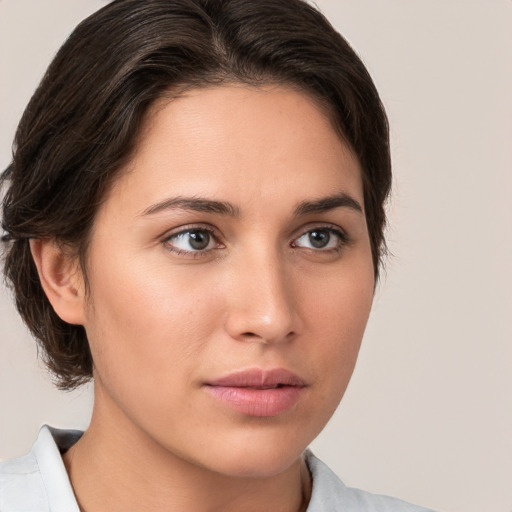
[[38, 482]]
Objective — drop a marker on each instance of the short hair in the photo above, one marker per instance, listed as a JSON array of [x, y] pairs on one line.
[[82, 123]]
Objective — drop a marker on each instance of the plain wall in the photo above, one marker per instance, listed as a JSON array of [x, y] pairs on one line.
[[428, 415]]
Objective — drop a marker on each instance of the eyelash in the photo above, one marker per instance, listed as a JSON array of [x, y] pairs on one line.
[[343, 240], [340, 234], [191, 253]]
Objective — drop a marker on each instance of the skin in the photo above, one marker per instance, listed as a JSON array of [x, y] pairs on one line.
[[163, 318]]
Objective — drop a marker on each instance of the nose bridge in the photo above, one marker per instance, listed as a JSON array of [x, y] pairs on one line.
[[262, 307]]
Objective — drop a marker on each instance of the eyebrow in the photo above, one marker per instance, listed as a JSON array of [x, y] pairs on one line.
[[325, 204], [196, 204], [199, 204]]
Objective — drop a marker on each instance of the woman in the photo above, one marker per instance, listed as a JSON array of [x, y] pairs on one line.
[[194, 219]]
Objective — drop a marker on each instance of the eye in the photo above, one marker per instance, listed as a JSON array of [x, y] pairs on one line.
[[321, 239], [191, 241]]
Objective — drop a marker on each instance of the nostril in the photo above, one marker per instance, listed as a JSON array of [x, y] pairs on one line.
[[265, 339]]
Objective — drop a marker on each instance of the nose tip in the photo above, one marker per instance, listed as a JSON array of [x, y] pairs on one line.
[[252, 327], [262, 309], [267, 330]]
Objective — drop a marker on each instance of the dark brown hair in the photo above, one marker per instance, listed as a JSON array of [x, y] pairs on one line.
[[82, 122]]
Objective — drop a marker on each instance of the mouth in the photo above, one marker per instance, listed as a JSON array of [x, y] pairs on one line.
[[258, 392]]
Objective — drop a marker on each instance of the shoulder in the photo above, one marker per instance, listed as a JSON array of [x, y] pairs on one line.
[[38, 481], [21, 485], [331, 494]]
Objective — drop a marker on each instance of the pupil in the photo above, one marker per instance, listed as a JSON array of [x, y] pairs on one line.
[[319, 238], [199, 239]]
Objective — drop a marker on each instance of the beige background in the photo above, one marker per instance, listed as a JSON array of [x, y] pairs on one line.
[[428, 415]]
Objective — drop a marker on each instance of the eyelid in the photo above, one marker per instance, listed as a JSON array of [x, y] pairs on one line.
[[213, 232], [311, 226], [340, 232]]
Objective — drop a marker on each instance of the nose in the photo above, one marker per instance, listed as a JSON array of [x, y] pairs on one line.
[[261, 303]]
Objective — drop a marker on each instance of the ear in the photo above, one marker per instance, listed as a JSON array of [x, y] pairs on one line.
[[61, 279]]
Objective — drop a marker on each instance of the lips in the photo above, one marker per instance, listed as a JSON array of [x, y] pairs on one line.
[[258, 392]]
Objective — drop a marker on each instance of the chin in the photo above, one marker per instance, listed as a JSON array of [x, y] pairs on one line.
[[257, 463], [256, 453]]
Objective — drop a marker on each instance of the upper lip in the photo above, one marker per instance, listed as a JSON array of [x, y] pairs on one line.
[[259, 378]]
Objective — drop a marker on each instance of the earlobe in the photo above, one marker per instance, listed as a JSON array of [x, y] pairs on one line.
[[61, 279]]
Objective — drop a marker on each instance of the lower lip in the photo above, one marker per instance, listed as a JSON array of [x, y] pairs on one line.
[[258, 402]]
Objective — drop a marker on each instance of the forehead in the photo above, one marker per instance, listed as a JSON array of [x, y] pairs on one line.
[[239, 142]]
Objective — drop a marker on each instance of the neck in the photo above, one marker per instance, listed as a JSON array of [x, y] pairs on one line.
[[117, 467]]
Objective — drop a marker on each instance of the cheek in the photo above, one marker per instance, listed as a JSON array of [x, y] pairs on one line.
[[338, 314], [147, 321]]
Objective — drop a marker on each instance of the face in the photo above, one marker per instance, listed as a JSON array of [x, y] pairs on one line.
[[231, 279]]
